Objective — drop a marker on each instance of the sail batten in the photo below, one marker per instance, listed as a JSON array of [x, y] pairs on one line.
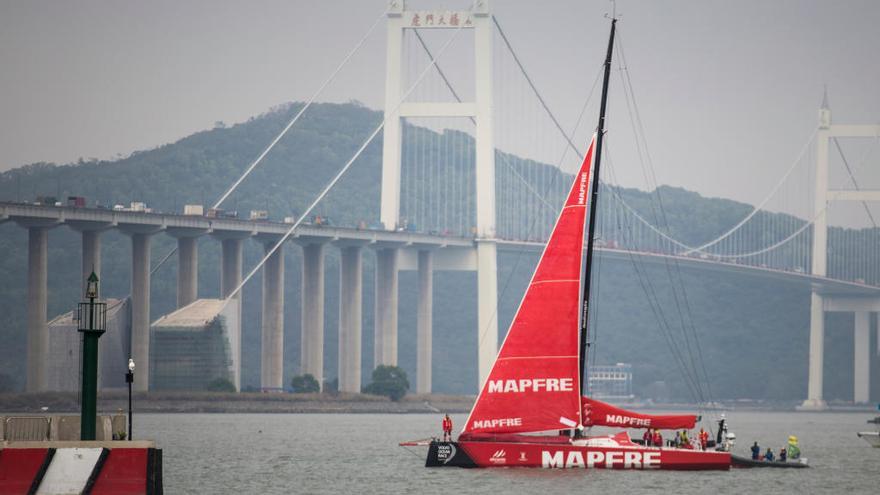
[[534, 384]]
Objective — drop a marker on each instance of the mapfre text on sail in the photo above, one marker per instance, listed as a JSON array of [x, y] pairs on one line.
[[531, 385]]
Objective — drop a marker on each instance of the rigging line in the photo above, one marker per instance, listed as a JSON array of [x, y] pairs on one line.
[[504, 157], [574, 147], [690, 373], [568, 139], [676, 278], [853, 178], [556, 177], [677, 282], [345, 168], [532, 85], [290, 124], [657, 309], [686, 323]]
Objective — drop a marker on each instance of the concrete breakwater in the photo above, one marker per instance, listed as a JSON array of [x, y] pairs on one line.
[[59, 427], [206, 402]]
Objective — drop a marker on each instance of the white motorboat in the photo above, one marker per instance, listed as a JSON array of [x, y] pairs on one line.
[[872, 437]]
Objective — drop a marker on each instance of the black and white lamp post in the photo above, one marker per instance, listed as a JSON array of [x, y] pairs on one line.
[[129, 379]]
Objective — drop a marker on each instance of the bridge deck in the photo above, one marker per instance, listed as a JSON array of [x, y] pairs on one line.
[[85, 218]]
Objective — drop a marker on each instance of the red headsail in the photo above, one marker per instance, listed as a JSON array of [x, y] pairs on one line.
[[534, 384], [598, 413]]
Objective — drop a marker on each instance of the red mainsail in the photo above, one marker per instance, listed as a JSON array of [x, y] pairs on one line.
[[598, 413], [534, 384]]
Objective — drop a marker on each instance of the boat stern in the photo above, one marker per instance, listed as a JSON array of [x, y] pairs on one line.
[[441, 454]]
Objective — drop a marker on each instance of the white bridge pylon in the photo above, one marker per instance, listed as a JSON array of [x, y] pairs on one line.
[[484, 257], [862, 307]]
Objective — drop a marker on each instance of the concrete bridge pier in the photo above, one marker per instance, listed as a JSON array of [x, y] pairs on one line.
[[487, 308], [272, 336], [817, 350], [90, 233], [230, 277], [424, 324], [312, 349], [140, 305], [862, 358], [187, 263], [350, 318], [187, 270], [861, 307], [230, 269], [385, 327], [37, 328]]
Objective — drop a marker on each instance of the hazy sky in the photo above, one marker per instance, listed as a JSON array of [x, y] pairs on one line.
[[728, 90]]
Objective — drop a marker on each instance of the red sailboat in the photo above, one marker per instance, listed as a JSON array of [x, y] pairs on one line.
[[531, 411]]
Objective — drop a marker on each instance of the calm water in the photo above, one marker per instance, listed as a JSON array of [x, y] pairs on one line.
[[328, 453]]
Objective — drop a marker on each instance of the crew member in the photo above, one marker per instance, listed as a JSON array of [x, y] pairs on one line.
[[447, 428], [704, 438], [657, 438], [756, 452], [794, 452], [782, 455], [769, 455]]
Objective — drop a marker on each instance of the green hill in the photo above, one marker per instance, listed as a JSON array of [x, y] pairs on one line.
[[753, 333]]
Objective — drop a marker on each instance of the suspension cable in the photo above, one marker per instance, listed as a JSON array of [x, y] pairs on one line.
[[853, 179], [345, 168], [283, 132]]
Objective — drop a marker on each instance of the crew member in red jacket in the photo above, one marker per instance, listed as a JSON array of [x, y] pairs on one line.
[[657, 438], [447, 428], [704, 438]]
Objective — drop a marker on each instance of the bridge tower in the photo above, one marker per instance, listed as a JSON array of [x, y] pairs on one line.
[[830, 302], [480, 110]]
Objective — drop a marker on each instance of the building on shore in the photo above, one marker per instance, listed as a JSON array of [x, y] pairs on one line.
[[612, 382], [194, 345], [65, 349]]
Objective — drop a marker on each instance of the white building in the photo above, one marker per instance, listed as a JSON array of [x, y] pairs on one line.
[[610, 382]]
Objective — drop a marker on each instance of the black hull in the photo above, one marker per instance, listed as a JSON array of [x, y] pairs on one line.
[[746, 462], [443, 454]]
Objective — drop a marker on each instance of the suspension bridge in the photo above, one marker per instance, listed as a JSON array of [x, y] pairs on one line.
[[470, 165]]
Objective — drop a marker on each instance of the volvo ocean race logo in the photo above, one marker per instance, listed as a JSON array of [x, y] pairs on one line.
[[531, 385], [445, 452], [599, 459]]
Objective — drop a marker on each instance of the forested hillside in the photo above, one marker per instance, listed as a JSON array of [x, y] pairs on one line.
[[753, 333]]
